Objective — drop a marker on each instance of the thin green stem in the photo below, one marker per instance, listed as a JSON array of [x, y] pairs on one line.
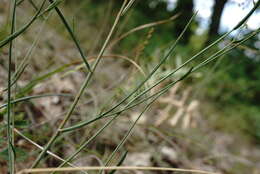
[[69, 29], [85, 84], [10, 137]]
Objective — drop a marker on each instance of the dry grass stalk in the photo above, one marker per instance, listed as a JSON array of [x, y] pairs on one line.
[[69, 169]]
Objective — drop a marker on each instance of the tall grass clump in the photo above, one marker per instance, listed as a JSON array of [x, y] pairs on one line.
[[140, 95]]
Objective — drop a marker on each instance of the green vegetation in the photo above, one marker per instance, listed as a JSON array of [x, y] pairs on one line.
[[103, 83]]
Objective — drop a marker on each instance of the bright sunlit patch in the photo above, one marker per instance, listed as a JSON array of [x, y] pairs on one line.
[[233, 12]]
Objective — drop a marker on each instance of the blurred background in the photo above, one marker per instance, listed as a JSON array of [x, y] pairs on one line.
[[210, 121]]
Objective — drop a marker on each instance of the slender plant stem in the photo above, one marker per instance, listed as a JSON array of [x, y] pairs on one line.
[[85, 84], [128, 6], [10, 137], [94, 168], [69, 29]]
